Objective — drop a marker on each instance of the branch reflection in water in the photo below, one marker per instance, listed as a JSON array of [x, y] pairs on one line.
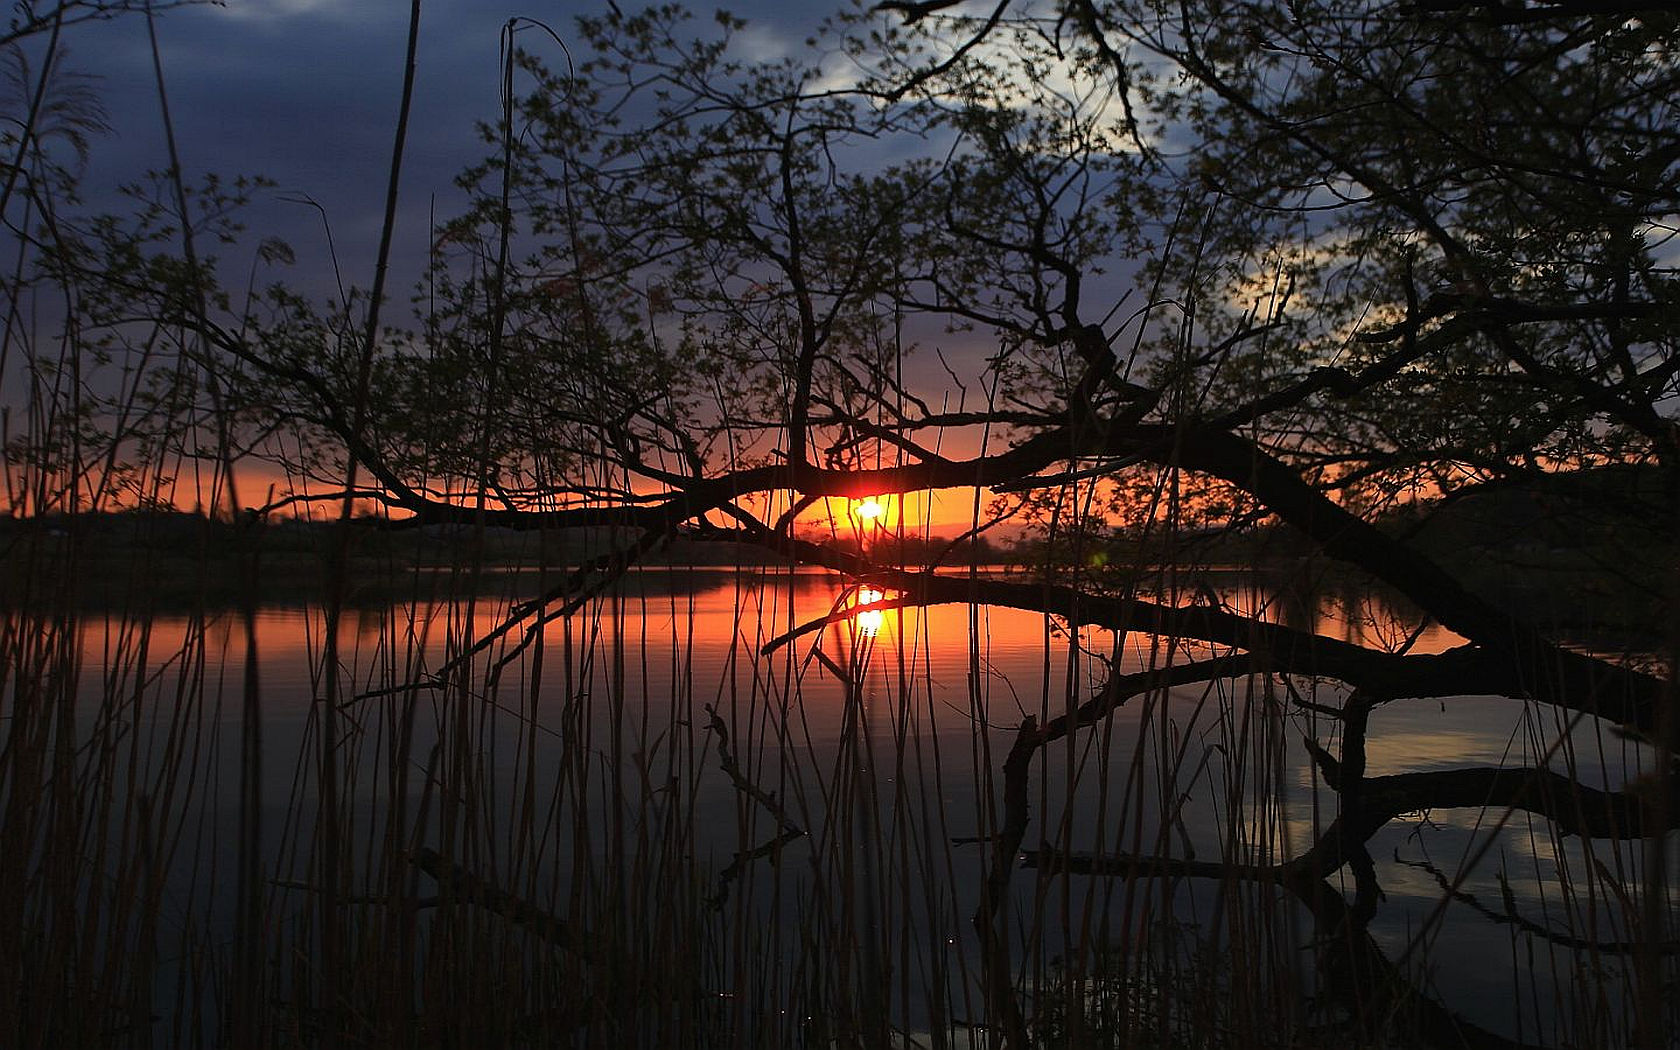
[[625, 678]]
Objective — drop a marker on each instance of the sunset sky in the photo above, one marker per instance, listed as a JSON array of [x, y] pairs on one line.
[[305, 93]]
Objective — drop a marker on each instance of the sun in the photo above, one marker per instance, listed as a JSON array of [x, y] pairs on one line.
[[870, 507]]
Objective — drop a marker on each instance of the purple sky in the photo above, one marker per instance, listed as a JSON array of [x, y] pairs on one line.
[[305, 92]]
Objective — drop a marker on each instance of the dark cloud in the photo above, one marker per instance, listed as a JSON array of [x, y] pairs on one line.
[[300, 94], [305, 92]]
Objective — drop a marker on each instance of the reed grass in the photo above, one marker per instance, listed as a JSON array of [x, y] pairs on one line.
[[622, 838]]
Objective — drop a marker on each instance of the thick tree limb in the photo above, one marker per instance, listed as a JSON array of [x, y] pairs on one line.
[[1565, 679], [1528, 664], [1575, 808]]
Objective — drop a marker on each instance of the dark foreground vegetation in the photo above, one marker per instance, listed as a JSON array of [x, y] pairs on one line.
[[1384, 291]]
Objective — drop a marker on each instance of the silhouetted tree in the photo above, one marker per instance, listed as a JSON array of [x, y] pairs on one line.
[[1215, 266]]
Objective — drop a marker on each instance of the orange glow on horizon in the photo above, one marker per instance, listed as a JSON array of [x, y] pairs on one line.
[[920, 513], [946, 511]]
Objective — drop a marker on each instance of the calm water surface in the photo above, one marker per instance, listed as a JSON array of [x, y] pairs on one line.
[[885, 748]]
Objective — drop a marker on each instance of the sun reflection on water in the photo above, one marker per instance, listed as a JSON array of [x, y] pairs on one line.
[[869, 623]]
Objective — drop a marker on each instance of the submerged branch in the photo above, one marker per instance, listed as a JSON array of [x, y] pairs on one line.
[[787, 830], [1509, 916], [472, 889]]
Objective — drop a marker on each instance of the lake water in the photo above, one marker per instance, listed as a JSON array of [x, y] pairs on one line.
[[588, 762]]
